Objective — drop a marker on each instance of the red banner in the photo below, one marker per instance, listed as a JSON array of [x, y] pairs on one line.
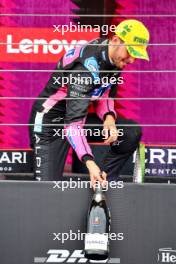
[[38, 44]]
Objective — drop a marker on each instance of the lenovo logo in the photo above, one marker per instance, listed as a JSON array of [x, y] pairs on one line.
[[22, 43], [40, 46]]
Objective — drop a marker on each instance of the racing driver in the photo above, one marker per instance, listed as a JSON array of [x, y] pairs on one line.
[[66, 107]]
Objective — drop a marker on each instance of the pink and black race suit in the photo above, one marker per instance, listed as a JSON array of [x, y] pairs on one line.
[[85, 67]]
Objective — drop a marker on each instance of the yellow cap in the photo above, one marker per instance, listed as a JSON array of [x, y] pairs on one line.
[[133, 32]]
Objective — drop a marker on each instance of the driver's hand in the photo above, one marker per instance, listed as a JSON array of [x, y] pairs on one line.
[[110, 131], [96, 174]]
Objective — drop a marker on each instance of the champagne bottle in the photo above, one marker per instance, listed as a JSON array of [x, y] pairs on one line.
[[98, 227]]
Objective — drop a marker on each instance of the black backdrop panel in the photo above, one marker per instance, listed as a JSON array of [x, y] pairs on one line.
[[30, 212]]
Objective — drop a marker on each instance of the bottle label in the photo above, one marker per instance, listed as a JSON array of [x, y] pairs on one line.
[[96, 241]]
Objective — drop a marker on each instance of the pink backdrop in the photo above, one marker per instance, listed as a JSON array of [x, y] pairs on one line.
[[24, 84]]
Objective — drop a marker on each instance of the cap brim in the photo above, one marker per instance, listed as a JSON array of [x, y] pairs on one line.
[[137, 52]]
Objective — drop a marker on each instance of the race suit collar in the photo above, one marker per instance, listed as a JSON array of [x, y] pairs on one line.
[[104, 57]]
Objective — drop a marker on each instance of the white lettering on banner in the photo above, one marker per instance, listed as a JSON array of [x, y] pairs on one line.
[[57, 256], [161, 155], [159, 172], [36, 46], [9, 46], [167, 255], [98, 241], [60, 256], [157, 154], [13, 157], [67, 256], [171, 155], [24, 46]]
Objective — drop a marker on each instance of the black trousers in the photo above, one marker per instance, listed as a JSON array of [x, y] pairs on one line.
[[50, 148]]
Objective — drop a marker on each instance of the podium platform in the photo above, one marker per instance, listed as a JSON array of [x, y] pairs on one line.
[[36, 218]]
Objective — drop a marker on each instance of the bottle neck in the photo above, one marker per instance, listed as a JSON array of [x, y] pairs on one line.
[[98, 195], [98, 189]]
